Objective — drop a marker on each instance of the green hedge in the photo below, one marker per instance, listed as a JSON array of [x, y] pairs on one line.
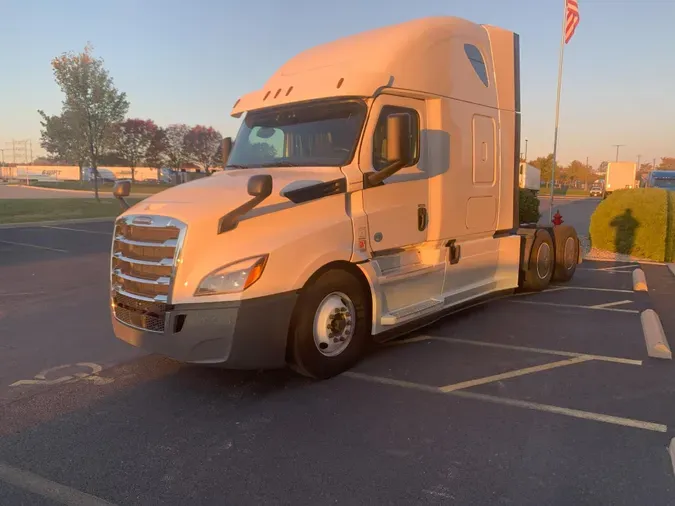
[[638, 222], [528, 207]]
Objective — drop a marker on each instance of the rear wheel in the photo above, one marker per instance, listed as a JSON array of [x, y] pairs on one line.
[[540, 271], [566, 252], [331, 325]]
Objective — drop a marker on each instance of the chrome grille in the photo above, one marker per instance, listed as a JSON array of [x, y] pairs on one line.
[[143, 267]]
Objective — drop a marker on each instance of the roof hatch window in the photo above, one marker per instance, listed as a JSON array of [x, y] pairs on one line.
[[476, 59]]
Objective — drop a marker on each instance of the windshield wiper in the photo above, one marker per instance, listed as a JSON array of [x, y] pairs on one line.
[[237, 167], [279, 164]]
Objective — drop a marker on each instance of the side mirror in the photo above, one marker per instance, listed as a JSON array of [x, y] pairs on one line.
[[260, 186], [121, 190], [227, 147], [398, 138], [398, 148]]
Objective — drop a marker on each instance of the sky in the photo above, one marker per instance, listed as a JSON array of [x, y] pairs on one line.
[[188, 61]]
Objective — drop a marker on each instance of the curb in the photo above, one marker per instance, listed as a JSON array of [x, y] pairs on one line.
[[655, 337], [56, 222], [639, 281], [671, 267]]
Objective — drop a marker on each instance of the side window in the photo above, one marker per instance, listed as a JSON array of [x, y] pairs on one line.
[[380, 136], [476, 59]]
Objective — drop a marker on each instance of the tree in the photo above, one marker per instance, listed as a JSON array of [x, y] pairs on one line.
[[544, 164], [92, 104], [155, 155], [133, 139], [59, 140], [201, 146], [578, 171], [667, 163], [176, 152]]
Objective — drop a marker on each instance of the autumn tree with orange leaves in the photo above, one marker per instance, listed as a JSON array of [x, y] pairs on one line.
[[92, 105]]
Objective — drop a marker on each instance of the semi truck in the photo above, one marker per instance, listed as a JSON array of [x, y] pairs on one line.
[[529, 177], [372, 188], [620, 176], [661, 179]]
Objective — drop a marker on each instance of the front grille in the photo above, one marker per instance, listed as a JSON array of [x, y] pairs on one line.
[[143, 267]]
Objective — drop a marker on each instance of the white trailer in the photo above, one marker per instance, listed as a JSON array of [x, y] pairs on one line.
[[529, 177], [619, 176], [372, 188]]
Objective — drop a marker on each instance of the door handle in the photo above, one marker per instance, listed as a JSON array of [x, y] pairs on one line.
[[422, 217], [455, 251]]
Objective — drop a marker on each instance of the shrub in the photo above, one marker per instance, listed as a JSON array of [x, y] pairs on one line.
[[635, 222], [528, 207], [670, 232]]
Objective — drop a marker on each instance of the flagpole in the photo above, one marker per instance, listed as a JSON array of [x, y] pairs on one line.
[[557, 109]]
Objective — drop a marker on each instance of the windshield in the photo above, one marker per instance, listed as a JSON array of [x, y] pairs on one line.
[[314, 134], [664, 182]]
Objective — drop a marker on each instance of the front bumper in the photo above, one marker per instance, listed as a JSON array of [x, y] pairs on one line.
[[247, 334]]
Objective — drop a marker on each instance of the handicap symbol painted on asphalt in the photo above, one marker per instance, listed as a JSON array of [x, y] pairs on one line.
[[91, 376]]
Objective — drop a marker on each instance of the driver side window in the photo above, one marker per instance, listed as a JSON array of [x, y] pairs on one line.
[[380, 135]]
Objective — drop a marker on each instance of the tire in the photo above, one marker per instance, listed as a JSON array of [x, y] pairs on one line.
[[314, 351], [566, 252], [540, 272]]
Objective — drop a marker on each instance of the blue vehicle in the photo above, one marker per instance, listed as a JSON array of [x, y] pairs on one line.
[[662, 179]]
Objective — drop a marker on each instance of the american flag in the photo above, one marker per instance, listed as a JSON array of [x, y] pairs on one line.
[[572, 19]]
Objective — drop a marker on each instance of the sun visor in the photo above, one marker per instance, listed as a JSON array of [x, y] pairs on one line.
[[284, 89]]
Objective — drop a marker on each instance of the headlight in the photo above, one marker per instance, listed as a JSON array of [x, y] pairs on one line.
[[233, 278]]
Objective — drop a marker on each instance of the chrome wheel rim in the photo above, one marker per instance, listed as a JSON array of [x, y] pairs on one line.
[[543, 260], [569, 254], [334, 323]]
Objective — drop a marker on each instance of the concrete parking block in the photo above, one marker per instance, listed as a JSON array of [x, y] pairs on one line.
[[639, 281], [655, 337], [671, 267]]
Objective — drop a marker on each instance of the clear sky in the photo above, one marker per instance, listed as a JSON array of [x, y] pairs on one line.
[[187, 61]]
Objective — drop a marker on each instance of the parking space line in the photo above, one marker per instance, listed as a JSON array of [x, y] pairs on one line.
[[575, 413], [602, 358], [611, 304], [49, 489], [574, 306], [513, 374], [33, 246], [591, 289], [535, 406], [78, 230]]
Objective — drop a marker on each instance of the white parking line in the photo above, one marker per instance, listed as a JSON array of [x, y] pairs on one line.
[[590, 289], [513, 374], [535, 406], [574, 306], [47, 488], [79, 230], [33, 246], [602, 358], [611, 304]]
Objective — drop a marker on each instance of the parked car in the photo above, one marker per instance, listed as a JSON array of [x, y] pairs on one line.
[[105, 175], [596, 190]]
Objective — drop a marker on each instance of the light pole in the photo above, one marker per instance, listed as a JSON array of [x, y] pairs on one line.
[[526, 150], [617, 150]]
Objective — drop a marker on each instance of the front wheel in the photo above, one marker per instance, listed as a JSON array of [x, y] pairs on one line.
[[331, 325]]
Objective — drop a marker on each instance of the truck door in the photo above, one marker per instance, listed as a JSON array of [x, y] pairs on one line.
[[398, 216], [397, 209]]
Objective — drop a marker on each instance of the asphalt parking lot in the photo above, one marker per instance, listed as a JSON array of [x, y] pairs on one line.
[[535, 399]]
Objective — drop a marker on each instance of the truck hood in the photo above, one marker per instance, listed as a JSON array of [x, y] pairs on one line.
[[211, 197]]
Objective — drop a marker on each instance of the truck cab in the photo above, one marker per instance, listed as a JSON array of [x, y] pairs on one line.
[[372, 187]]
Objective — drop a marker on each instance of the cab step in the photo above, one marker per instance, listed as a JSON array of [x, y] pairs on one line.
[[410, 312]]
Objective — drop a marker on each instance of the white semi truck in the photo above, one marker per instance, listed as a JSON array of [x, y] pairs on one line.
[[529, 177], [371, 189], [620, 176]]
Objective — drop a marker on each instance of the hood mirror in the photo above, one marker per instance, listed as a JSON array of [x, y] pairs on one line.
[[259, 187], [121, 190], [227, 147]]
